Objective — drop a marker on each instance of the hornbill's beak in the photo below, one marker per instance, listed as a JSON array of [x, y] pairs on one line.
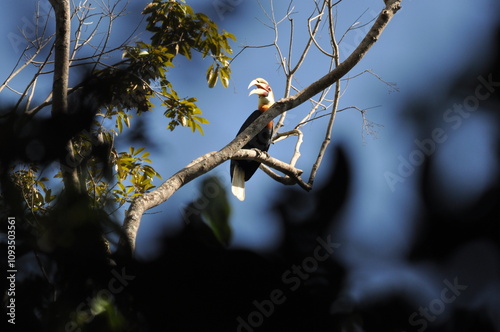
[[263, 87]]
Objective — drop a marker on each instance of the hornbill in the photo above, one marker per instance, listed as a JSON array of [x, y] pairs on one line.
[[242, 170]]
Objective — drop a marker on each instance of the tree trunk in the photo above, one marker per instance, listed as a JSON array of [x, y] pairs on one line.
[[60, 88]]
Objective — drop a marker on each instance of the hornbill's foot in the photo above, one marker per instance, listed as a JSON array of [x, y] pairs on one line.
[[260, 152]]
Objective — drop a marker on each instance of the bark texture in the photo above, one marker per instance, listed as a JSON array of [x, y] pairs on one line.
[[60, 87]]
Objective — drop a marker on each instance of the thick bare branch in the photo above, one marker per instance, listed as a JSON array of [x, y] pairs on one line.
[[212, 160], [61, 56], [60, 85]]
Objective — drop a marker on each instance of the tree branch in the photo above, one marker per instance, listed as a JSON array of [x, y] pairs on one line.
[[336, 98], [209, 161], [266, 159], [290, 72], [61, 56], [60, 86]]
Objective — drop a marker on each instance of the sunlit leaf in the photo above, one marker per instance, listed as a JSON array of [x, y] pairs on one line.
[[212, 78], [201, 120], [225, 82], [139, 150]]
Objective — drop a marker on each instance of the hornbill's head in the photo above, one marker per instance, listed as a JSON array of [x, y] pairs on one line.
[[264, 91]]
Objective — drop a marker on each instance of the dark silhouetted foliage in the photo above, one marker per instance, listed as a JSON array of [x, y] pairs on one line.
[[69, 280]]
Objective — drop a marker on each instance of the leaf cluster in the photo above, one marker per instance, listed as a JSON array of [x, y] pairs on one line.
[[142, 75], [37, 195], [177, 30], [130, 167], [115, 92], [175, 26]]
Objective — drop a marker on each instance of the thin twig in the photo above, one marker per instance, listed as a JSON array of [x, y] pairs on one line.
[[392, 86], [291, 71], [328, 134]]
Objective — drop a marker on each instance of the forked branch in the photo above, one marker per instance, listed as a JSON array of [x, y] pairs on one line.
[[214, 159]]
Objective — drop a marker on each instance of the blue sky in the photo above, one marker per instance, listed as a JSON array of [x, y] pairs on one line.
[[413, 52], [421, 49], [426, 44]]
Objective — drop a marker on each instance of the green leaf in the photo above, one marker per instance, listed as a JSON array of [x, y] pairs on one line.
[[229, 35], [48, 196], [201, 120], [212, 78], [199, 128], [224, 81], [119, 124], [139, 150]]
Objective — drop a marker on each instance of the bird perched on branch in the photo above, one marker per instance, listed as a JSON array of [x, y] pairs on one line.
[[242, 170]]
